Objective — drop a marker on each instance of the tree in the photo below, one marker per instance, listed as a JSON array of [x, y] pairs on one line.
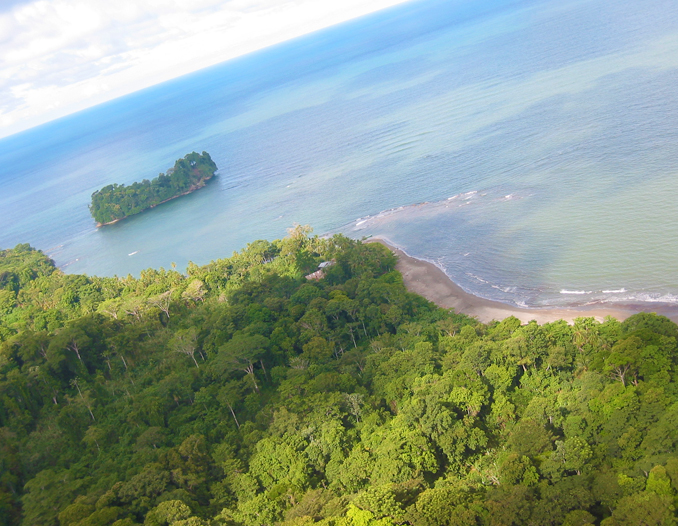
[[643, 509], [85, 400], [354, 401], [163, 302], [444, 506], [167, 513], [241, 353], [47, 494], [186, 342], [529, 438], [93, 436], [571, 455], [623, 359], [229, 395], [195, 291], [586, 338], [278, 462]]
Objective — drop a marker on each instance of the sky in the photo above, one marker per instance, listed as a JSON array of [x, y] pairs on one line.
[[61, 56]]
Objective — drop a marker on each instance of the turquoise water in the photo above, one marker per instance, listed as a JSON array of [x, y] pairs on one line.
[[552, 126]]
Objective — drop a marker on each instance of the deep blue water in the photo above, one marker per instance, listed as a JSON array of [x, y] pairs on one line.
[[553, 123]]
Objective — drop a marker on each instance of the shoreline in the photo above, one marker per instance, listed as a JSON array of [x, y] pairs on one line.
[[426, 279]]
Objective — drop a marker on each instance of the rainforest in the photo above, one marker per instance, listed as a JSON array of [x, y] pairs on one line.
[[242, 393]]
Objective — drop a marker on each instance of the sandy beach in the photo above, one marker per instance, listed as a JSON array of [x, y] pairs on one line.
[[429, 281]]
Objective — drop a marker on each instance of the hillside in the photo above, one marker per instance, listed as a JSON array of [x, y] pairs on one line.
[[241, 393]]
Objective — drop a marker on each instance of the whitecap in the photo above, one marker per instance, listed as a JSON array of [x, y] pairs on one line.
[[477, 278], [507, 290], [656, 298]]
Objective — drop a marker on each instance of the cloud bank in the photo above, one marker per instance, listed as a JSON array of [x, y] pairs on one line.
[[61, 56]]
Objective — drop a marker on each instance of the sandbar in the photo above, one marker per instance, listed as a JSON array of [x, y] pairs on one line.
[[429, 281]]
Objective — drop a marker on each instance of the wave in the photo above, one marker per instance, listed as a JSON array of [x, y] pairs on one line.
[[647, 297], [507, 290], [478, 278], [465, 195]]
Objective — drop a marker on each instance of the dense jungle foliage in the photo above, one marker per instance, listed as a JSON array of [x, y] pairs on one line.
[[114, 202], [241, 393]]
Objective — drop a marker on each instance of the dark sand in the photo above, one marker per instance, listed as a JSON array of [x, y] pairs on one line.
[[427, 280]]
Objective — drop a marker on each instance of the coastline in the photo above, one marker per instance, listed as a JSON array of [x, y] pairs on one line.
[[429, 281]]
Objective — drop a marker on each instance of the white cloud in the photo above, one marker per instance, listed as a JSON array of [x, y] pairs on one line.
[[61, 56]]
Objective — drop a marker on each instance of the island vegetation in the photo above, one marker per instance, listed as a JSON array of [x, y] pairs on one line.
[[115, 202], [241, 393]]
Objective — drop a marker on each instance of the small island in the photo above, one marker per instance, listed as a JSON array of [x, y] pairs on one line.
[[115, 202]]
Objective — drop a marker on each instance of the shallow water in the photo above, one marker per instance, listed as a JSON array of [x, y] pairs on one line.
[[560, 116]]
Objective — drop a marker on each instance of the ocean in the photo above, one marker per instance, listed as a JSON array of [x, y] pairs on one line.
[[529, 148]]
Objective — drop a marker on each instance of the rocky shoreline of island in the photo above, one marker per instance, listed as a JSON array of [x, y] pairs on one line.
[[116, 202], [189, 191]]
